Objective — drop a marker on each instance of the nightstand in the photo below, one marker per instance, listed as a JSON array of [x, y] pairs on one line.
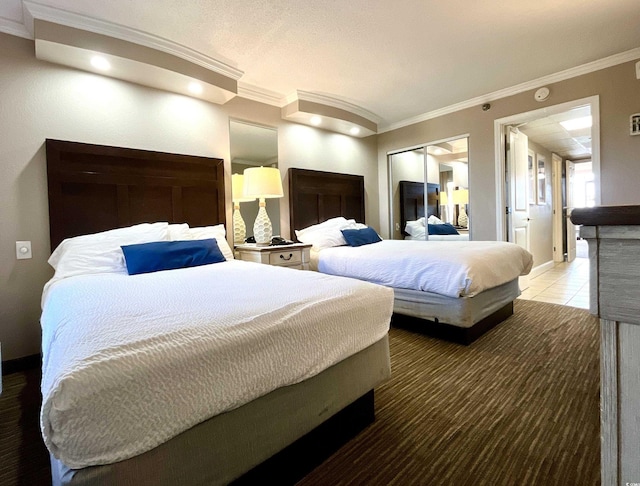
[[290, 256]]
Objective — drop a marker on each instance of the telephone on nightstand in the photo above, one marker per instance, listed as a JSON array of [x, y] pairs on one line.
[[278, 240]]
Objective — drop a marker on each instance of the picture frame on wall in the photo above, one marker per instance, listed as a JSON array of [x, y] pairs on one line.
[[533, 186], [541, 177]]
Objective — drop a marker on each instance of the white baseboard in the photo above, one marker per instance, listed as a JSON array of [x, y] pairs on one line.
[[540, 269]]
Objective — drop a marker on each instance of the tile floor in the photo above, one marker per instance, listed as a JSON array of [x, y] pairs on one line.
[[566, 284]]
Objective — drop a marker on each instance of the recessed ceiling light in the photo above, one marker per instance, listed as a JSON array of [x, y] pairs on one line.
[[438, 151], [577, 123], [100, 63], [354, 131], [316, 120], [195, 88]]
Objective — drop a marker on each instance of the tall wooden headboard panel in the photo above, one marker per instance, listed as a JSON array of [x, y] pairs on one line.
[[95, 188], [412, 201], [316, 196]]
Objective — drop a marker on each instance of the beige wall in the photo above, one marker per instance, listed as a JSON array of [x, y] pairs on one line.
[[619, 92], [39, 100]]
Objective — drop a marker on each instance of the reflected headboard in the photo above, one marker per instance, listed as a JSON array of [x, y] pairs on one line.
[[94, 188], [316, 196], [412, 201]]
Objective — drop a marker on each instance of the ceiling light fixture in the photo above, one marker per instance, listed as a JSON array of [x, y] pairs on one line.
[[316, 120], [438, 151], [195, 88], [100, 63], [577, 123], [354, 131]]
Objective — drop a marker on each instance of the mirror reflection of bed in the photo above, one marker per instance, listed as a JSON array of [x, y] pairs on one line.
[[439, 173]]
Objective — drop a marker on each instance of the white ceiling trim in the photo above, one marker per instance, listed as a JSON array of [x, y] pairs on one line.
[[333, 102], [256, 93], [33, 10], [12, 27], [520, 88]]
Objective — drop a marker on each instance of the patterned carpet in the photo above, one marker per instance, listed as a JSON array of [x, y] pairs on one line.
[[518, 407]]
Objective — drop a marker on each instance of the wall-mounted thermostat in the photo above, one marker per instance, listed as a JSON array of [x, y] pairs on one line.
[[634, 122]]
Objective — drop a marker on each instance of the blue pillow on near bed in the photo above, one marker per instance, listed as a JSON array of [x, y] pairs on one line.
[[442, 229], [169, 255], [359, 237]]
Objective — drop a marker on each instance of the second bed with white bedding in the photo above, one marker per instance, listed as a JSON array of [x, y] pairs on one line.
[[181, 346]]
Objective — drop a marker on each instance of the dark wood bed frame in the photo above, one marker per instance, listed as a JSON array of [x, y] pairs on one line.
[[412, 201], [316, 196], [94, 188]]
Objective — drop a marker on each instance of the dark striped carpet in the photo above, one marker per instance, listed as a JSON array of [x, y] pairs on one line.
[[517, 407]]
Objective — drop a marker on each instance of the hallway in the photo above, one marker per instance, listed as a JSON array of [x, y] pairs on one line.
[[566, 284]]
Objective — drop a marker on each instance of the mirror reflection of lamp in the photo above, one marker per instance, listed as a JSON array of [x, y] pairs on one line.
[[444, 201], [461, 198], [239, 228], [262, 183]]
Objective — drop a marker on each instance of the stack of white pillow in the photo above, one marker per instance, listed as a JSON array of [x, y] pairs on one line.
[[417, 228], [328, 233]]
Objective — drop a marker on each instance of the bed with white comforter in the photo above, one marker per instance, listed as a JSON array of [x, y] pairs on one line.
[[130, 361]]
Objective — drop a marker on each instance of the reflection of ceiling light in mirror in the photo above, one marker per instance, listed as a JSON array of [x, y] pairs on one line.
[[438, 151], [316, 120], [195, 88], [577, 123], [354, 131], [100, 63]]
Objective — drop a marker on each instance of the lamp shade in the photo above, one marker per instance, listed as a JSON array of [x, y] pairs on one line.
[[262, 182], [461, 196], [237, 189], [444, 200]]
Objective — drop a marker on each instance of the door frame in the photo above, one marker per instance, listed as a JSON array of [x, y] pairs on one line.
[[499, 128]]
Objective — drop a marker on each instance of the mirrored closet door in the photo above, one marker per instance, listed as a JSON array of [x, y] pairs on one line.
[[438, 174]]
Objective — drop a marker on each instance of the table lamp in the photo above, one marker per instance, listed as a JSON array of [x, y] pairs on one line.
[[262, 183], [461, 197], [237, 188]]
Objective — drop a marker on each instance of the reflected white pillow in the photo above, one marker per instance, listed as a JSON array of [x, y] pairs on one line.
[[327, 234], [101, 252], [415, 228], [433, 220]]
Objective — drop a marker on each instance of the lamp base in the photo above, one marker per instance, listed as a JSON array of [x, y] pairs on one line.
[[239, 228], [463, 219], [262, 230]]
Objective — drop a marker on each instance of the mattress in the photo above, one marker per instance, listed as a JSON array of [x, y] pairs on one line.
[[131, 361], [452, 269]]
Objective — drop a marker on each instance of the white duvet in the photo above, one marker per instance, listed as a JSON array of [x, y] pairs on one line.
[[131, 361], [452, 268]]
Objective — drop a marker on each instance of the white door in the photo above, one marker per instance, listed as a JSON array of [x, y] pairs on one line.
[[571, 229], [556, 203], [518, 198]]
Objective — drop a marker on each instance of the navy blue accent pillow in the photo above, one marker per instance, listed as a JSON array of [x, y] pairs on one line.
[[169, 255], [442, 229], [359, 237]]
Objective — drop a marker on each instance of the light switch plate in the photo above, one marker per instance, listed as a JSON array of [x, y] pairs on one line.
[[638, 70], [23, 250], [634, 124]]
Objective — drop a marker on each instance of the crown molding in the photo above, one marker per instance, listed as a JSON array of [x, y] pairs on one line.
[[12, 27], [334, 102], [261, 95], [33, 11], [587, 68]]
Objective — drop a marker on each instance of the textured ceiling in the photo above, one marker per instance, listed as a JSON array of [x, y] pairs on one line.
[[396, 59]]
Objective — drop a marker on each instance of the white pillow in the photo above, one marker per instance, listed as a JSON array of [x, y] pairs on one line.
[[218, 232], [179, 232], [101, 252], [327, 234], [434, 220], [415, 228]]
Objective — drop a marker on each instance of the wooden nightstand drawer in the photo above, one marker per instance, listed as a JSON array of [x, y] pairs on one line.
[[286, 257]]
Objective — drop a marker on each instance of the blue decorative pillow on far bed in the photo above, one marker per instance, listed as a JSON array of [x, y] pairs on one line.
[[442, 229], [359, 237], [169, 255]]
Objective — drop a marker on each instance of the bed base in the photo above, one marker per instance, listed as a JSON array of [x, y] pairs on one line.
[[448, 332], [298, 459]]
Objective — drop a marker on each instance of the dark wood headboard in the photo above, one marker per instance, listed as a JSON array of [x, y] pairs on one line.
[[316, 196], [94, 188], [412, 201]]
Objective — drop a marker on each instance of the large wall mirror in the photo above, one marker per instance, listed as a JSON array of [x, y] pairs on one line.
[[254, 146], [430, 184]]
